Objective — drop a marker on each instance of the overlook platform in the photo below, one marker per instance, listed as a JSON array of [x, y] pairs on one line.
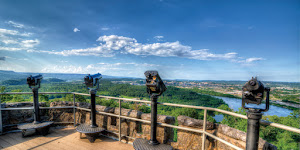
[[124, 124], [65, 139]]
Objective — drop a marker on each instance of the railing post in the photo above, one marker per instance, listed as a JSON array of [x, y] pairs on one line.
[[120, 120], [74, 110], [1, 127], [204, 129]]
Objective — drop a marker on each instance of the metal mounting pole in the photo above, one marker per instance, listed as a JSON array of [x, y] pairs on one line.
[[120, 120], [1, 127], [74, 110], [254, 117], [93, 109], [153, 139], [36, 105]]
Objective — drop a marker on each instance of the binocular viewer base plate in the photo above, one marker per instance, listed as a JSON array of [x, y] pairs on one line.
[[143, 144], [85, 128], [90, 132], [40, 128], [27, 126]]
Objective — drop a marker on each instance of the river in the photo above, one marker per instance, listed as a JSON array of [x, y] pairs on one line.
[[235, 104]]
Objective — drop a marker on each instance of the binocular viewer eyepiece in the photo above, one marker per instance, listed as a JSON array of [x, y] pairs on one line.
[[92, 80], [154, 83], [254, 92], [34, 80]]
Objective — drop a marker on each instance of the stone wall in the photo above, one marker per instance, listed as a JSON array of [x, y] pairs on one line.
[[190, 140], [130, 128], [186, 140], [12, 117]]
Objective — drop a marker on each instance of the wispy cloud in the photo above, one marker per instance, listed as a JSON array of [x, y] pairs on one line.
[[78, 69], [105, 28], [133, 64], [13, 32], [8, 32], [10, 41], [30, 43], [249, 60], [106, 68], [76, 30], [64, 69], [11, 48], [7, 57], [14, 24], [159, 37], [15, 40], [63, 61]]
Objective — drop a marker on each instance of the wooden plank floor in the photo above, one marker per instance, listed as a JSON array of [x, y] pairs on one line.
[[62, 139]]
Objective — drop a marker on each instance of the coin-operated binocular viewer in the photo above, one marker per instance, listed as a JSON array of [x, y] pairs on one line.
[[34, 83], [155, 87], [253, 93], [91, 131]]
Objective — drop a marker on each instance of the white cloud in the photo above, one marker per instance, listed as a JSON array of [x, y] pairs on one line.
[[9, 32], [11, 48], [77, 69], [249, 60], [63, 61], [24, 45], [63, 69], [123, 64], [10, 41], [14, 24], [159, 37], [76, 30], [113, 44], [13, 32], [105, 29], [117, 69], [16, 58], [9, 37], [26, 34], [30, 43]]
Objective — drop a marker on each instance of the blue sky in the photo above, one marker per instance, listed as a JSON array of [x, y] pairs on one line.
[[202, 40]]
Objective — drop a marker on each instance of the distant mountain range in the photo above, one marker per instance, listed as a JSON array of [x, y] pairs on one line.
[[11, 75]]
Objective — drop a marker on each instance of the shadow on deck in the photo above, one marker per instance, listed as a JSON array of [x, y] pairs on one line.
[[67, 139]]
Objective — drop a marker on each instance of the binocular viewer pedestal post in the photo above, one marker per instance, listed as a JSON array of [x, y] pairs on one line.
[[93, 108], [36, 106], [39, 126], [253, 126], [153, 144], [91, 131]]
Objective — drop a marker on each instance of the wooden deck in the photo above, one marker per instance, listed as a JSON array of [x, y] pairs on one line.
[[62, 139]]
